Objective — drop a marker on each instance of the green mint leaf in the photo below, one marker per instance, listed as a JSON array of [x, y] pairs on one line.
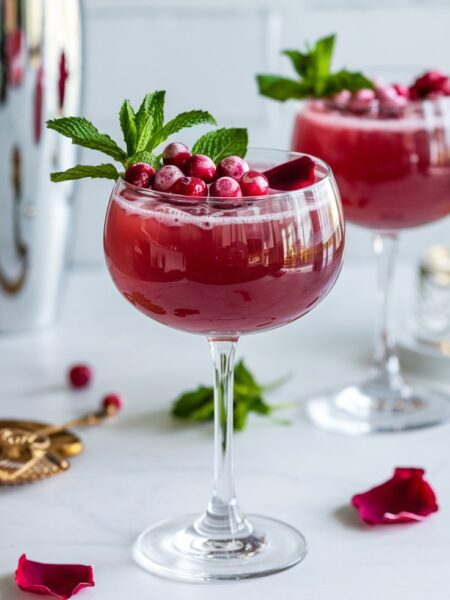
[[83, 133], [153, 104], [183, 120], [221, 143], [300, 61], [144, 133], [146, 157], [281, 88], [315, 77], [128, 126], [191, 402], [107, 171]]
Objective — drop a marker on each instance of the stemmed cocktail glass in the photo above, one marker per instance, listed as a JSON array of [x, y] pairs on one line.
[[223, 268]]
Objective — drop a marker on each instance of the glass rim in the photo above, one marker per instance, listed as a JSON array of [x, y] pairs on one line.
[[173, 199]]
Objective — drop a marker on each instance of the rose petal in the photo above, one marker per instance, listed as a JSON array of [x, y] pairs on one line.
[[405, 498], [60, 581]]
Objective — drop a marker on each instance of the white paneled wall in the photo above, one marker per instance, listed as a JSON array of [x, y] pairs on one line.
[[205, 54]]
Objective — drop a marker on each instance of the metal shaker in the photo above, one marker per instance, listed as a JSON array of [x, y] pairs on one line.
[[433, 300], [40, 78]]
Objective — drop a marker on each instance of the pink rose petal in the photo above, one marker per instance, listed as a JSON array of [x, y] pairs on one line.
[[405, 498], [59, 581]]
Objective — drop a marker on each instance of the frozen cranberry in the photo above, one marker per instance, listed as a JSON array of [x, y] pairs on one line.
[[166, 177], [226, 187], [362, 100], [189, 186], [80, 376], [254, 183], [112, 403], [200, 166], [232, 166], [176, 154], [291, 175], [140, 174]]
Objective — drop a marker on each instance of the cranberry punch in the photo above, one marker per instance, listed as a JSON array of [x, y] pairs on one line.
[[388, 146], [220, 241]]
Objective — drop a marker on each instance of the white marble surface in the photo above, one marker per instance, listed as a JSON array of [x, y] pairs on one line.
[[144, 466]]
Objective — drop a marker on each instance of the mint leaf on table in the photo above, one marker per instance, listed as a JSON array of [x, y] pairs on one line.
[[315, 77], [181, 121], [198, 405], [128, 126], [106, 171], [221, 143], [83, 133]]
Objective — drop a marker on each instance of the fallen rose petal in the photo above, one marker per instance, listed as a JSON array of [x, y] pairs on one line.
[[60, 581], [405, 498]]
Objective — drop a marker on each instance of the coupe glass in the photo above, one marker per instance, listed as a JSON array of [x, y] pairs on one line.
[[223, 268], [393, 173]]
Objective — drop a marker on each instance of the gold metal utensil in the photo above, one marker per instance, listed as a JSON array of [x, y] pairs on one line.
[[30, 451]]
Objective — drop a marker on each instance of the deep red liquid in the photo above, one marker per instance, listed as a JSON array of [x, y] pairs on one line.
[[391, 173], [202, 276]]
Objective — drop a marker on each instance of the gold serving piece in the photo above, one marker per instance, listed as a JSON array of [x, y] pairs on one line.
[[30, 451]]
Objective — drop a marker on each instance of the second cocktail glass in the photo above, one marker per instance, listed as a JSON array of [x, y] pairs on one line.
[[393, 172], [222, 269]]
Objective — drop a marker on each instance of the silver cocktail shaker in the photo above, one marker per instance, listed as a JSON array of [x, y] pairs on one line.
[[40, 78]]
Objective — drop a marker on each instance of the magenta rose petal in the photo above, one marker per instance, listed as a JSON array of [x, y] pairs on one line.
[[59, 581], [404, 498]]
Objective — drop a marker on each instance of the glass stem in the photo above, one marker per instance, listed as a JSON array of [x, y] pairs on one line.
[[386, 360], [223, 519]]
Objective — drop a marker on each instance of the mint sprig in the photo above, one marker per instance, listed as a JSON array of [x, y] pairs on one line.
[[315, 77], [221, 143], [198, 405], [143, 131]]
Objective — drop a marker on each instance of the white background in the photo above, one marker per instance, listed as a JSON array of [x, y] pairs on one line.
[[205, 53]]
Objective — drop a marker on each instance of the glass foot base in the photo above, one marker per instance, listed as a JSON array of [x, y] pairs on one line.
[[371, 408], [174, 549]]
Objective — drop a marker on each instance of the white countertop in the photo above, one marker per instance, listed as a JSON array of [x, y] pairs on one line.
[[144, 466]]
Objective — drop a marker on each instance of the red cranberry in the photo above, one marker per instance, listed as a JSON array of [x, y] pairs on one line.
[[401, 90], [176, 154], [254, 183], [190, 186], [226, 187], [140, 174], [112, 403], [166, 177], [200, 166], [232, 166], [431, 84], [80, 376], [292, 175]]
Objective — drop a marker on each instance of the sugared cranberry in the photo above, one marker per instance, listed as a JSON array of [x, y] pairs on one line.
[[140, 174], [254, 183], [176, 154], [112, 403], [362, 100], [232, 166], [190, 186], [401, 90], [200, 166], [226, 187], [166, 177], [292, 175], [80, 376]]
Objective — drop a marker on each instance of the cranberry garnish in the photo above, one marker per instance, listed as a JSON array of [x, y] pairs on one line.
[[232, 166], [190, 186], [401, 90], [166, 177], [200, 166], [176, 154], [292, 175], [80, 376], [140, 174], [112, 403], [226, 187], [254, 183]]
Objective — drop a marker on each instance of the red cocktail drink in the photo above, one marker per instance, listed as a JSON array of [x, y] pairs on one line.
[[228, 267], [392, 173]]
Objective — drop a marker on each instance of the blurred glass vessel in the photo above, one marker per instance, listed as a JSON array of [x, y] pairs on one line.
[[40, 77], [223, 268], [393, 173]]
